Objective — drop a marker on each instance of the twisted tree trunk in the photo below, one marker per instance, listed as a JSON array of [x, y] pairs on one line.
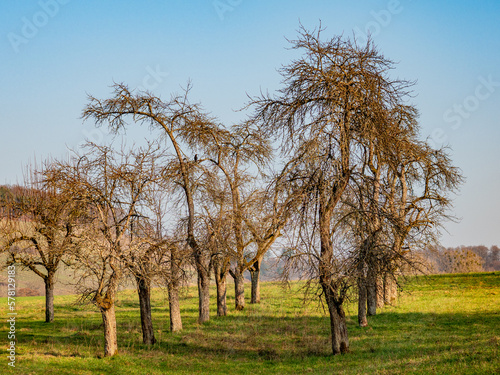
[[255, 278], [239, 289], [338, 324]]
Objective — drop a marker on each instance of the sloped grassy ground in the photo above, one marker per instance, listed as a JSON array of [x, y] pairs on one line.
[[445, 324]]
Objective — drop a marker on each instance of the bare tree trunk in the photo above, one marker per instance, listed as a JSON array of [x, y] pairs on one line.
[[394, 290], [338, 324], [390, 289], [173, 286], [385, 290], [220, 280], [362, 302], [109, 322], [220, 264], [144, 291], [49, 297], [203, 296], [255, 277], [174, 306], [371, 291], [380, 292], [239, 289], [203, 264]]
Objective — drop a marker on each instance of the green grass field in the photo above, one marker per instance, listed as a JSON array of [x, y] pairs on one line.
[[446, 324]]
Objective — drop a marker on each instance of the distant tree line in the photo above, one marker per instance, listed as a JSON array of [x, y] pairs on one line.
[[330, 172], [461, 259]]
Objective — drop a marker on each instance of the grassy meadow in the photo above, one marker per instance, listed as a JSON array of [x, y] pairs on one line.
[[444, 324]]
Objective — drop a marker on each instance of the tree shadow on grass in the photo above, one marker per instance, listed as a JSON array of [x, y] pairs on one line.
[[401, 336], [418, 340]]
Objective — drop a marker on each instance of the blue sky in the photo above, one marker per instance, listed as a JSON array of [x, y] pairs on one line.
[[55, 52]]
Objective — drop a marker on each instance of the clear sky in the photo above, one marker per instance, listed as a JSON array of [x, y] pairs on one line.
[[54, 52]]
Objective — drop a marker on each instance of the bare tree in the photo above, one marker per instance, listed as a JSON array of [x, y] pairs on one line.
[[38, 231], [170, 252], [216, 229], [234, 153], [336, 97], [265, 217], [157, 256], [418, 201], [140, 263], [141, 259], [185, 127], [111, 186]]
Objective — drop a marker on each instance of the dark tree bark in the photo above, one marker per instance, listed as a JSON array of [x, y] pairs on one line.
[[144, 291], [338, 325], [239, 289], [109, 322], [49, 297], [362, 302], [371, 291], [255, 278]]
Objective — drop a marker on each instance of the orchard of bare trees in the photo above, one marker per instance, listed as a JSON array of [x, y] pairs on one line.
[[330, 173]]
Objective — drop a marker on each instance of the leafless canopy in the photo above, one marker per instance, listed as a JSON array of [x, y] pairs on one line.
[[347, 131]]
